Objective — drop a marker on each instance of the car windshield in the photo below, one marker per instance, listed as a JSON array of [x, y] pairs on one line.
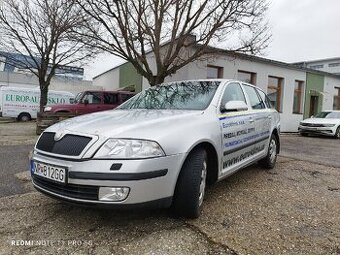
[[328, 115], [193, 95], [77, 98]]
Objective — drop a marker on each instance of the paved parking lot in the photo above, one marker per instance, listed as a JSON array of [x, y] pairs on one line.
[[293, 209]]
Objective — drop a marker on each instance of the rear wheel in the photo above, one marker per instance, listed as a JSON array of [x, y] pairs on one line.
[[303, 134], [24, 117], [337, 133], [271, 157], [191, 184]]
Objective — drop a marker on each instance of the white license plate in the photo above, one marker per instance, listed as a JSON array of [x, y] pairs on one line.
[[51, 172]]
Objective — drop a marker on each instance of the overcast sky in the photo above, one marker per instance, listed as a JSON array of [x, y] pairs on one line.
[[301, 30]]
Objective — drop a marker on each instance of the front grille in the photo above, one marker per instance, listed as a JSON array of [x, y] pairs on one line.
[[311, 125], [69, 190], [69, 145]]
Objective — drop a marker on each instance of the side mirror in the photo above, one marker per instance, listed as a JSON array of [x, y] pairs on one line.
[[312, 116], [86, 101], [71, 100], [235, 106]]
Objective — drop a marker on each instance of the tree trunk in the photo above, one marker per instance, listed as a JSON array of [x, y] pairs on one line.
[[43, 96], [156, 80]]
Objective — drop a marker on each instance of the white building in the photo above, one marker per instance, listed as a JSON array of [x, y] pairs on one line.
[[295, 91], [329, 65]]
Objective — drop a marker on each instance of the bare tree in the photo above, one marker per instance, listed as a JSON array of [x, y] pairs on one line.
[[133, 30], [40, 33]]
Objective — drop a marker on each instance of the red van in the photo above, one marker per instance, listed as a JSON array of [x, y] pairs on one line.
[[92, 101]]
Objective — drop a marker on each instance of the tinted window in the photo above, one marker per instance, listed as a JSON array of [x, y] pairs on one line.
[[110, 98], [193, 95], [255, 101], [92, 97], [265, 99], [233, 92], [125, 97]]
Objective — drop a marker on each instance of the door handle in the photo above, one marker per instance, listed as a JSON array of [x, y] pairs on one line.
[[269, 117], [251, 120]]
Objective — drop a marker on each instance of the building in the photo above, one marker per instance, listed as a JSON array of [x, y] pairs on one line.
[[296, 92], [329, 65], [13, 73]]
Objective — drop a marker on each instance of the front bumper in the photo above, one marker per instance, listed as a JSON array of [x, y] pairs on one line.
[[329, 131], [151, 181]]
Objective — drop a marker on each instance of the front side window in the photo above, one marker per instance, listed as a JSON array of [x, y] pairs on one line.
[[233, 92], [193, 95], [275, 88], [255, 101], [265, 98], [92, 97]]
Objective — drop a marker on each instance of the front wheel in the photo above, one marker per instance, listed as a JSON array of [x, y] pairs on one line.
[[337, 133], [270, 160], [191, 183]]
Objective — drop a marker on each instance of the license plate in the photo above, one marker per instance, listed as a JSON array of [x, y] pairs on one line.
[[51, 172]]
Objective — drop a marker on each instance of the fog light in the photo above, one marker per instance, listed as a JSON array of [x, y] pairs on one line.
[[113, 194]]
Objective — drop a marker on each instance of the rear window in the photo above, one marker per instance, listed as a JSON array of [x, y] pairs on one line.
[[255, 101]]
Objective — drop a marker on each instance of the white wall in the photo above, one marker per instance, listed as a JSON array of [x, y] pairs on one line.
[[108, 80], [329, 92], [60, 84]]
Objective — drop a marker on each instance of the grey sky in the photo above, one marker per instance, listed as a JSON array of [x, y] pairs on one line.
[[301, 30]]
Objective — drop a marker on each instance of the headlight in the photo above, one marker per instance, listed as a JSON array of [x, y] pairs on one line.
[[328, 125], [47, 109], [129, 149]]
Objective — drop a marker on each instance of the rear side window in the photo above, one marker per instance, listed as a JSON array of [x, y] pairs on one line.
[[265, 99], [126, 97], [233, 92], [110, 98], [255, 101]]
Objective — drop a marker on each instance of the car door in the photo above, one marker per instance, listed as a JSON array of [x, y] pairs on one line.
[[262, 122], [236, 128], [91, 102]]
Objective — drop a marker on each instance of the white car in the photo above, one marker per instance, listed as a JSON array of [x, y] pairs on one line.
[[324, 123], [159, 148]]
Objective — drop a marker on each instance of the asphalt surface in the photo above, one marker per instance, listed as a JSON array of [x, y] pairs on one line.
[[321, 150], [14, 159], [292, 209]]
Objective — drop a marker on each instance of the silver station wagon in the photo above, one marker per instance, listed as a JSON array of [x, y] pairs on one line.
[[160, 148]]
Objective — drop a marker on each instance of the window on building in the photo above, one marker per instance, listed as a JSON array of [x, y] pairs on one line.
[[254, 98], [316, 66], [214, 72], [275, 88], [248, 77], [336, 104], [298, 97], [334, 64]]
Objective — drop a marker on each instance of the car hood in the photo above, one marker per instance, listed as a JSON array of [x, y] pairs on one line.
[[321, 121], [144, 124]]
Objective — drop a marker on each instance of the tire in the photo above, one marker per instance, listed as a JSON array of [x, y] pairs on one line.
[[191, 184], [270, 160], [24, 117], [337, 133], [303, 134]]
